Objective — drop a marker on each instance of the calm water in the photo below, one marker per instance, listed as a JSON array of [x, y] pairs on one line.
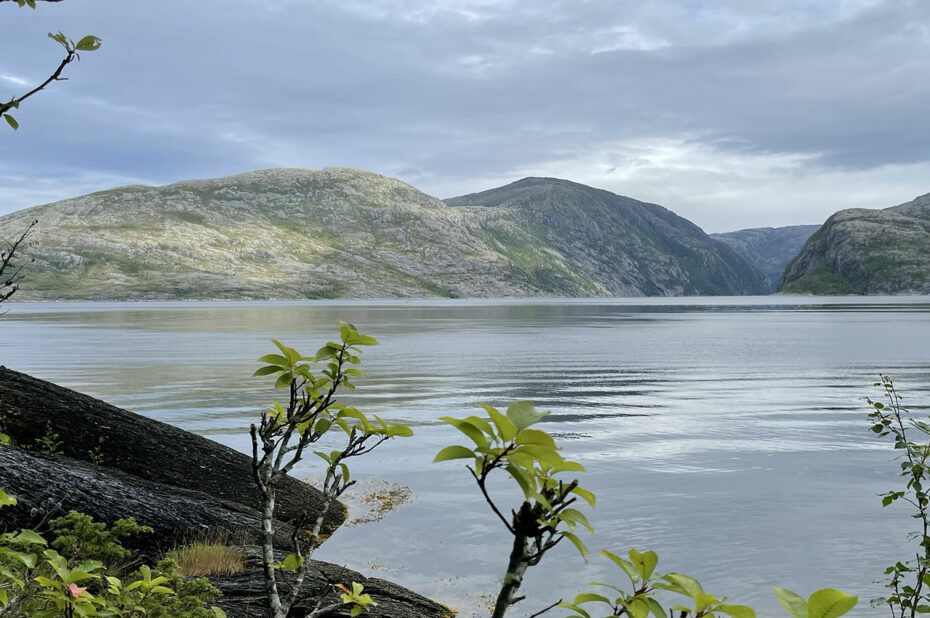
[[727, 434]]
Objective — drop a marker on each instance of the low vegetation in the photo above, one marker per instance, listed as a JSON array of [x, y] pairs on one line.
[[208, 559]]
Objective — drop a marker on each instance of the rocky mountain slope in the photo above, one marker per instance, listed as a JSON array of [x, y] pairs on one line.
[[343, 233], [768, 248], [597, 243], [862, 251]]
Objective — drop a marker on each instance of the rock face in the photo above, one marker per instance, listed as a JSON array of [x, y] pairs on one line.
[[45, 485], [768, 248], [145, 448], [861, 251], [243, 593], [590, 242], [340, 233]]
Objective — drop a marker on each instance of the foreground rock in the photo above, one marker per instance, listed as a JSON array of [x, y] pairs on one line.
[[145, 448], [243, 595], [862, 251], [52, 486]]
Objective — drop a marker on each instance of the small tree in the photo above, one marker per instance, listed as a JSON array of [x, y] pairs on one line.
[[286, 432], [545, 517], [11, 268], [909, 581]]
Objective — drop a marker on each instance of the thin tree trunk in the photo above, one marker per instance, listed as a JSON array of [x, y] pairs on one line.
[[516, 568], [271, 586]]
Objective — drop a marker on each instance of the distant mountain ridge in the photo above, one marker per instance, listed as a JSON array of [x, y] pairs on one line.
[[863, 251], [346, 233], [620, 246], [769, 249]]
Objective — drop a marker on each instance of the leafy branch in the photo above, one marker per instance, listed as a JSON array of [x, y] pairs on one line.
[[85, 44], [11, 272], [530, 456]]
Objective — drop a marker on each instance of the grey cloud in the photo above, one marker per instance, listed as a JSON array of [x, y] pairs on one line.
[[452, 94]]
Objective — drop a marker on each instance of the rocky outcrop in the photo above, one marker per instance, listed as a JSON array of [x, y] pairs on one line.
[[243, 592], [344, 233], [53, 485], [90, 429], [769, 249], [862, 251]]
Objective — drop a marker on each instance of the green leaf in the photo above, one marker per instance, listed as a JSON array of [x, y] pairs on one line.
[[28, 559], [525, 480], [588, 496], [645, 563], [7, 500], [11, 121], [655, 608], [577, 543], [576, 516], [575, 608], [454, 452], [88, 43], [535, 436], [567, 466], [737, 611], [267, 370], [684, 584], [829, 603], [546, 456], [322, 425], [351, 336], [27, 537], [218, 613], [505, 427], [345, 473], [793, 604], [590, 597], [481, 424], [291, 563], [523, 414], [624, 564], [292, 355], [399, 431], [476, 435]]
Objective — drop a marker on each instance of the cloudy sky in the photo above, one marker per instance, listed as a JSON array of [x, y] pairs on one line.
[[733, 113]]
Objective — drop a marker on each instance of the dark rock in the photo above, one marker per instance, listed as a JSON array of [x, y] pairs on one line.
[[49, 486], [143, 447], [243, 593]]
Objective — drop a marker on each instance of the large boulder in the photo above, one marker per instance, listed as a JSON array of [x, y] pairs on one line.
[[49, 486], [244, 597], [91, 429]]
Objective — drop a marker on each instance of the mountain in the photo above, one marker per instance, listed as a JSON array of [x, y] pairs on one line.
[[863, 251], [609, 244], [342, 233], [768, 248]]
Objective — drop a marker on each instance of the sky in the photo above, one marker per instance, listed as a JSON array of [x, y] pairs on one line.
[[732, 113]]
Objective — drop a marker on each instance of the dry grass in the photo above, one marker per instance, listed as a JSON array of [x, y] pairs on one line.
[[208, 558]]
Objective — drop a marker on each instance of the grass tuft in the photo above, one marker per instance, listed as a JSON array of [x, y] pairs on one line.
[[208, 558]]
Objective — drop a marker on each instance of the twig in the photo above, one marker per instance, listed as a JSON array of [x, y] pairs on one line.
[[541, 612]]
